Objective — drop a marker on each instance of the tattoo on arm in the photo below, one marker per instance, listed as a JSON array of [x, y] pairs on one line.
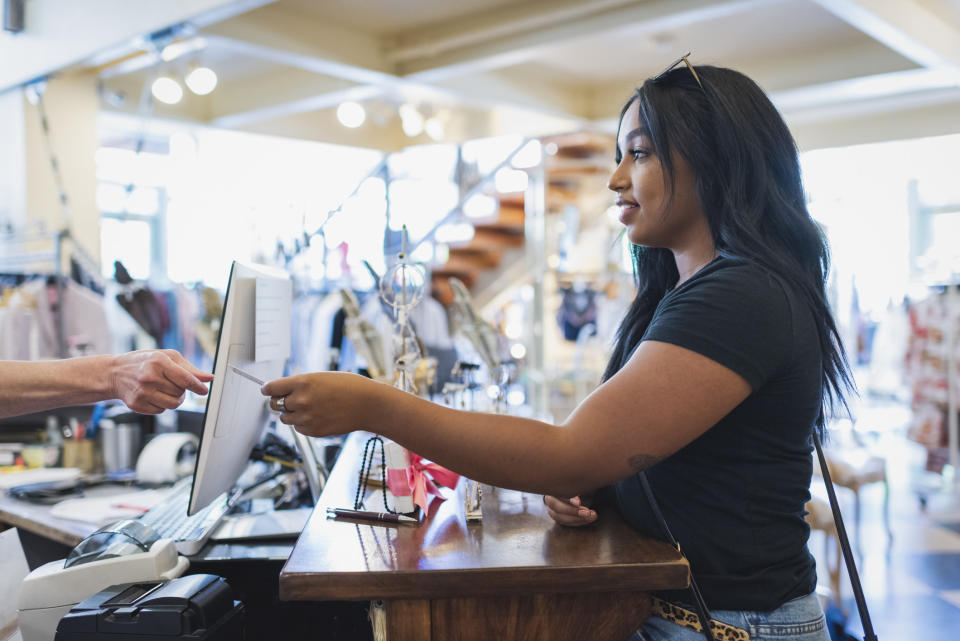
[[640, 462]]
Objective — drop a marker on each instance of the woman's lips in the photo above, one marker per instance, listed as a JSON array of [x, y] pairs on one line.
[[626, 211]]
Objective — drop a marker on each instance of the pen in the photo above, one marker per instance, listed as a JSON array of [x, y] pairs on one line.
[[249, 377], [370, 516], [136, 508]]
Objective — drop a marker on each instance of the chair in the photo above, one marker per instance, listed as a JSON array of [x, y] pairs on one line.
[[854, 470], [820, 517]]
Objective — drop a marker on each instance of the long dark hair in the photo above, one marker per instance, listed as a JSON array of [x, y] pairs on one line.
[[748, 178]]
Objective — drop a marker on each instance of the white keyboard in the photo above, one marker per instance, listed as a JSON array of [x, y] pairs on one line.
[[169, 519]]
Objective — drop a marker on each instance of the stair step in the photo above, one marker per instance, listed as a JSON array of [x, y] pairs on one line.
[[508, 216], [505, 229], [441, 290], [566, 173], [581, 145], [512, 200], [440, 282], [467, 259], [493, 239]]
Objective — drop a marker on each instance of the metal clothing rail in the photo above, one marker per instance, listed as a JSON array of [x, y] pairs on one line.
[[19, 255]]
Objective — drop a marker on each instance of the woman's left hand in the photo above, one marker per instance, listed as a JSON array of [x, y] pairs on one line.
[[323, 403]]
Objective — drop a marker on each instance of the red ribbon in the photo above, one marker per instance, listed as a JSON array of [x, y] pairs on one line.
[[415, 480]]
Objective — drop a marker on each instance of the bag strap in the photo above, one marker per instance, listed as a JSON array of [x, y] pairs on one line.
[[868, 634], [701, 606]]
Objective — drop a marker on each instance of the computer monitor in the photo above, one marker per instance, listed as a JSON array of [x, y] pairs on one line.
[[254, 338]]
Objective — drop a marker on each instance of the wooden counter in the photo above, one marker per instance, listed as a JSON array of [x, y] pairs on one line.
[[515, 575]]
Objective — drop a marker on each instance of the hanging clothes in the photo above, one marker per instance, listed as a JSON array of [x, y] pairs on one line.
[[19, 329], [578, 309], [932, 322], [430, 325], [320, 320], [85, 326]]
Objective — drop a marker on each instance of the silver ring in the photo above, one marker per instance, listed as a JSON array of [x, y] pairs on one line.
[[281, 404]]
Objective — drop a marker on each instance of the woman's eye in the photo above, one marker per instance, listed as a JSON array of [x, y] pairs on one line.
[[638, 153]]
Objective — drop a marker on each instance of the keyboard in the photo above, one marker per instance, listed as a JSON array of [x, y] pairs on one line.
[[189, 533]]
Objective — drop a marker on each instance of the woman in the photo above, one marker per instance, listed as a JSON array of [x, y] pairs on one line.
[[148, 381], [725, 363]]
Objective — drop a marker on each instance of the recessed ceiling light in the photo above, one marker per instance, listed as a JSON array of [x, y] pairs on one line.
[[202, 80], [411, 120], [351, 114], [434, 128], [167, 90]]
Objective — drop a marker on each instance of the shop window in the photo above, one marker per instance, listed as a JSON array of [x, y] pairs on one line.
[[132, 200], [128, 241]]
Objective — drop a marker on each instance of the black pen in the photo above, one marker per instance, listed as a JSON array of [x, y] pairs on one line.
[[370, 516]]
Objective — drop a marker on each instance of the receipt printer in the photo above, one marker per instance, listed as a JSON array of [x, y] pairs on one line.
[[196, 607]]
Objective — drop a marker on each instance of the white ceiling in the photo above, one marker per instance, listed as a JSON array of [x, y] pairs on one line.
[[782, 31], [385, 17], [284, 66]]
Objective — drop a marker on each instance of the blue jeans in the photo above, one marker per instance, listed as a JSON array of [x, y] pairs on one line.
[[800, 619]]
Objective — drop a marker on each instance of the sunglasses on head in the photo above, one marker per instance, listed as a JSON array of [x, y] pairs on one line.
[[676, 62]]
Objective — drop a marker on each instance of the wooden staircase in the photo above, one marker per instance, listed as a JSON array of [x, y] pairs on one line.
[[492, 238], [498, 241]]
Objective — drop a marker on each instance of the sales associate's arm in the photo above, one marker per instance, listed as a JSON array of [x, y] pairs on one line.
[[148, 381], [661, 400]]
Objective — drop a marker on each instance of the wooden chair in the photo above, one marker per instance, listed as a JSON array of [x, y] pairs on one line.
[[820, 517], [854, 470]]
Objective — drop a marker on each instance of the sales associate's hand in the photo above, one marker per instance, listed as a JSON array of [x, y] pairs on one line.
[[571, 512], [323, 403], [151, 381], [147, 381]]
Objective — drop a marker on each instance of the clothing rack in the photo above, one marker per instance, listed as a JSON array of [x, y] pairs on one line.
[[19, 254], [948, 290], [953, 436]]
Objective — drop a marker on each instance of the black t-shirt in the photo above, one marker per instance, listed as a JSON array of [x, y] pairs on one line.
[[734, 497]]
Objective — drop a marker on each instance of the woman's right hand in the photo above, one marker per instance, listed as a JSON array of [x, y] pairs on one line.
[[571, 512]]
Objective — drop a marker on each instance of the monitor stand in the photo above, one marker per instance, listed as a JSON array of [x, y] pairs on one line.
[[310, 467], [279, 523]]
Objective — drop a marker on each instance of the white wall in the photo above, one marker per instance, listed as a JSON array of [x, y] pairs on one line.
[[72, 106], [60, 33], [13, 190]]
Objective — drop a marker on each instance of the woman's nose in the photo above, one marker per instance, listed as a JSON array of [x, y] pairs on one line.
[[617, 182]]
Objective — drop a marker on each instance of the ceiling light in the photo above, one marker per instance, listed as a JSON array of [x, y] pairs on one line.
[[409, 111], [351, 114], [412, 120], [167, 90], [434, 128], [201, 80]]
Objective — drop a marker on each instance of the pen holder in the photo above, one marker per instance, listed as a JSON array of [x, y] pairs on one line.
[[398, 486], [79, 454], [472, 495]]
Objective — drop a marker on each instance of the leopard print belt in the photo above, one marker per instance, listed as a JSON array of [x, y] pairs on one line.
[[689, 619]]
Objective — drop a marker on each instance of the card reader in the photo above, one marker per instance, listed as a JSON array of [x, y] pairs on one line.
[[198, 607]]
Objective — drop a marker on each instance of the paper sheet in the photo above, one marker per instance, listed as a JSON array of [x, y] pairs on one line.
[[38, 475], [272, 341], [13, 567], [100, 510]]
